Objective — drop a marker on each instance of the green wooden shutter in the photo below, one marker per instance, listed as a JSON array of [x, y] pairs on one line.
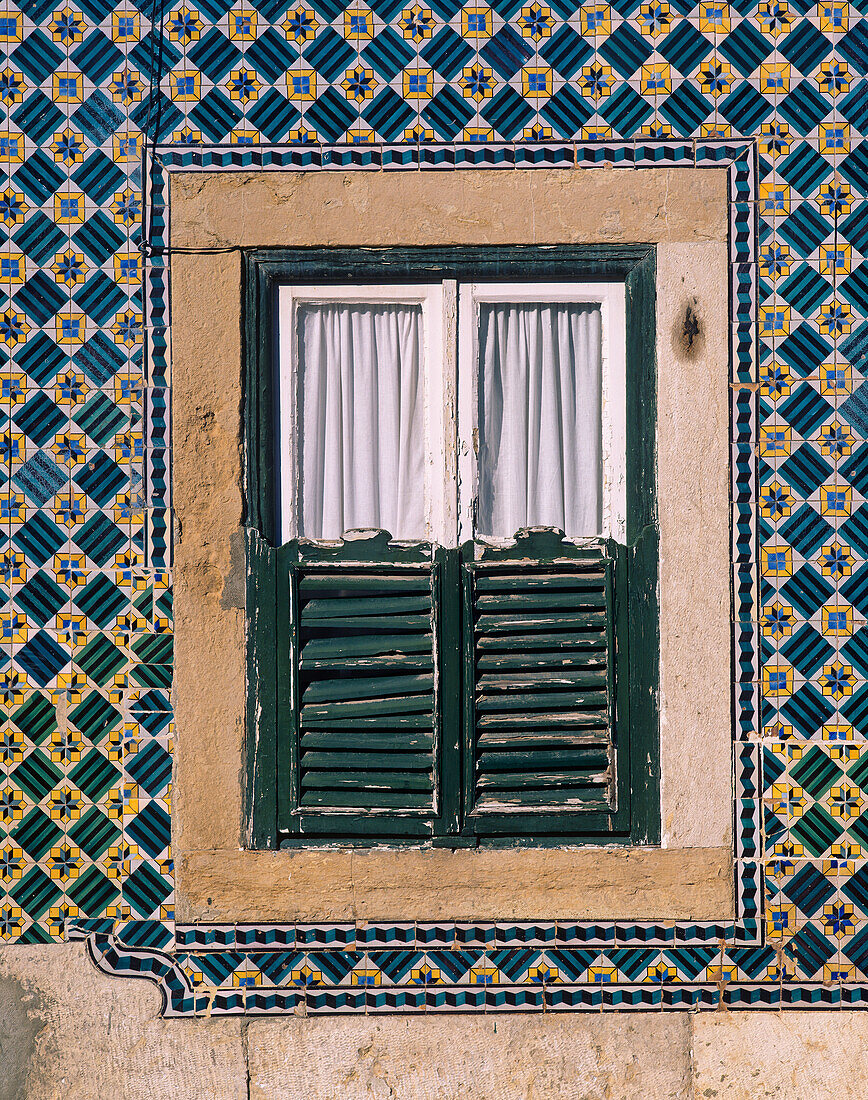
[[362, 725], [545, 726]]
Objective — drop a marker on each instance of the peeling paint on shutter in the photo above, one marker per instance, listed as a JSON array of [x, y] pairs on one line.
[[361, 698], [366, 689], [546, 718], [542, 699]]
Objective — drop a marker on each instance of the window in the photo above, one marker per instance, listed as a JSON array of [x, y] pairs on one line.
[[453, 593], [369, 439]]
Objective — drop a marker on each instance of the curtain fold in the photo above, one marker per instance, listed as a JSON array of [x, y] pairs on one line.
[[362, 449], [539, 416]]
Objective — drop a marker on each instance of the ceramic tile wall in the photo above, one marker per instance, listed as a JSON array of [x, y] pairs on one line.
[[775, 90]]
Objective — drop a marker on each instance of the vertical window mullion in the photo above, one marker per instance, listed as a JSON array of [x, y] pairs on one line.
[[466, 419], [265, 749], [449, 686], [445, 444], [444, 452], [614, 414]]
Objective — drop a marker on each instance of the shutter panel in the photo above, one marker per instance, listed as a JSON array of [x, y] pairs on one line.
[[366, 689], [364, 698], [541, 702]]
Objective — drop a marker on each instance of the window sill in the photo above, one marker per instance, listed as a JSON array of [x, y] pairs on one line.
[[465, 885]]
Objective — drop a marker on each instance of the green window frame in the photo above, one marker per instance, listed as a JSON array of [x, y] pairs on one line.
[[485, 760]]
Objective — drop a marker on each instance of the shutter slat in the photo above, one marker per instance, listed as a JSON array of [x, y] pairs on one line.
[[541, 671], [365, 800], [365, 780], [555, 677], [411, 623], [385, 645], [367, 687], [519, 739], [366, 690], [349, 761], [545, 601], [536, 780], [374, 740], [368, 582], [491, 624], [503, 643], [369, 664], [371, 722], [510, 582], [503, 661], [361, 708], [562, 719], [586, 757], [583, 799], [345, 608], [541, 702]]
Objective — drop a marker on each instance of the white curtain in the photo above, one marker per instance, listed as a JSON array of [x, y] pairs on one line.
[[362, 431], [540, 460]]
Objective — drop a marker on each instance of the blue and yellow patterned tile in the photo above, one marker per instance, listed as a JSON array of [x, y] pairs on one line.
[[761, 43]]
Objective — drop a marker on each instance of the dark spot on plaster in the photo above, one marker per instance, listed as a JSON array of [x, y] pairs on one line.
[[689, 335], [235, 582], [21, 1020]]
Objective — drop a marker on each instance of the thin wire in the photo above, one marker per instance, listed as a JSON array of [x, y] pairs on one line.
[[155, 106], [152, 126], [204, 251]]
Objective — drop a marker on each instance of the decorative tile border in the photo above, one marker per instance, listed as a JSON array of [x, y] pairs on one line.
[[288, 968]]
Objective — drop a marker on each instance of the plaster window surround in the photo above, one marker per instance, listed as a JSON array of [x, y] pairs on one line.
[[682, 213]]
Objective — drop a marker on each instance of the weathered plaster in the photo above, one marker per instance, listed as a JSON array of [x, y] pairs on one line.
[[462, 206], [684, 211], [80, 1035], [87, 1037], [780, 1055], [408, 884], [22, 1018], [693, 495], [644, 1057]]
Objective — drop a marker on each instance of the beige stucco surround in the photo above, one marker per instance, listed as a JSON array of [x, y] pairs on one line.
[[684, 212]]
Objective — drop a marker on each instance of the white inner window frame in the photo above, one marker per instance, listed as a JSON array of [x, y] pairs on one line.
[[450, 316], [611, 299], [427, 295]]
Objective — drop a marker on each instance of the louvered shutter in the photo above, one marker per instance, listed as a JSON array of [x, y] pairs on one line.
[[362, 751], [544, 752]]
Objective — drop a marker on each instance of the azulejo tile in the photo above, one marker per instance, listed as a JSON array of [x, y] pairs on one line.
[[773, 92]]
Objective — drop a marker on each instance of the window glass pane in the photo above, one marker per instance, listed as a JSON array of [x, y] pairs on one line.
[[539, 417], [361, 418]]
